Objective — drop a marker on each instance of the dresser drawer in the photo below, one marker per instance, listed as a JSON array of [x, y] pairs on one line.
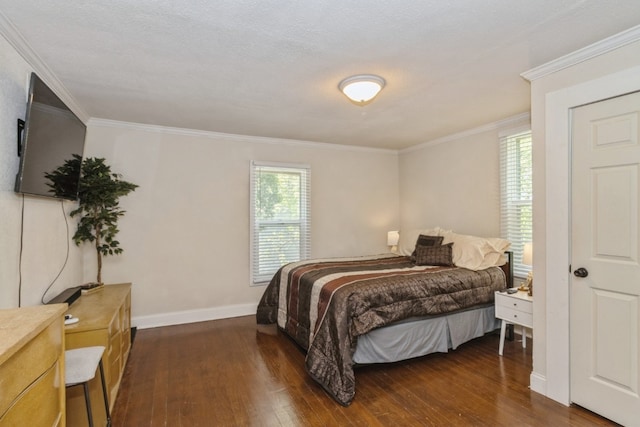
[[30, 362], [514, 316], [39, 404]]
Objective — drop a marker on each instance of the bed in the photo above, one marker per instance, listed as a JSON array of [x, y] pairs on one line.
[[387, 307]]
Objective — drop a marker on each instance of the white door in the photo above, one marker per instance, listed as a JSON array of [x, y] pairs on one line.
[[605, 246]]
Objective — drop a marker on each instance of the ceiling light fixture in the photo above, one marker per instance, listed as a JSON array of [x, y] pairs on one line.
[[361, 89]]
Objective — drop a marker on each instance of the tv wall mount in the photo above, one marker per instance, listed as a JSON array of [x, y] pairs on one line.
[[20, 131]]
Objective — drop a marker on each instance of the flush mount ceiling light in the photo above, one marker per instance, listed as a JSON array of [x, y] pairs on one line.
[[361, 89]]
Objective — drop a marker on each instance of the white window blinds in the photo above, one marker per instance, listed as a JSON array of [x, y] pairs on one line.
[[280, 217], [516, 218]]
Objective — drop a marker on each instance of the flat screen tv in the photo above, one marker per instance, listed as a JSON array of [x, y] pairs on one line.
[[52, 140]]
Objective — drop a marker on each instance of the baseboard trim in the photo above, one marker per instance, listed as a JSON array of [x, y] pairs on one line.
[[192, 316], [538, 383]]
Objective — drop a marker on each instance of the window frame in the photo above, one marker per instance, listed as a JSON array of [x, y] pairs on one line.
[[255, 277]]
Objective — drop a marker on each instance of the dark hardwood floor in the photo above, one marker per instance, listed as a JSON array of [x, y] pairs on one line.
[[230, 373]]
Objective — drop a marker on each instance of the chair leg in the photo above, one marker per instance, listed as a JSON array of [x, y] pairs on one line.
[[104, 393], [87, 400]]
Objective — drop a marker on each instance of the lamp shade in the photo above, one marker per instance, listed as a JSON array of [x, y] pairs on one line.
[[361, 89], [392, 238], [527, 254]]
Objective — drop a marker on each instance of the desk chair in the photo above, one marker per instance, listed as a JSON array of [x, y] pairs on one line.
[[80, 368]]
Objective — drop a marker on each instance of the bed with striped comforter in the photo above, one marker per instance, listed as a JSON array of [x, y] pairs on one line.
[[324, 305]]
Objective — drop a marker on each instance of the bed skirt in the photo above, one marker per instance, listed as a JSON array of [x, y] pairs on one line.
[[417, 337]]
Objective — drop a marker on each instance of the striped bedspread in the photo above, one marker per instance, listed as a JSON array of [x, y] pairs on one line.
[[324, 305]]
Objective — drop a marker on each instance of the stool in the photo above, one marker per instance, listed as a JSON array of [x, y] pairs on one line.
[[80, 368]]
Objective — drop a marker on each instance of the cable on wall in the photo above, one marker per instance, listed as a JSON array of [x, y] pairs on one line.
[[20, 255], [66, 223]]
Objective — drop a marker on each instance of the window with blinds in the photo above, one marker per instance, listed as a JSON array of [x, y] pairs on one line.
[[280, 217], [516, 194]]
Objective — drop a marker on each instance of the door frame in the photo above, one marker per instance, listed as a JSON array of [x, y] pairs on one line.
[[555, 383]]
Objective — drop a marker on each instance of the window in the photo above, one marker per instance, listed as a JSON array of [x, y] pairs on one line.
[[280, 217], [516, 191]]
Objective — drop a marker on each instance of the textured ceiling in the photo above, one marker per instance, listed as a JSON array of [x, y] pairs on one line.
[[271, 67]]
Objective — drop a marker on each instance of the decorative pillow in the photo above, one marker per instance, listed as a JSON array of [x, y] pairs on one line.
[[424, 240], [408, 238], [434, 255]]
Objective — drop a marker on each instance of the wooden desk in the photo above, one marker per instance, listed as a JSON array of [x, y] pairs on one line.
[[105, 319], [32, 366]]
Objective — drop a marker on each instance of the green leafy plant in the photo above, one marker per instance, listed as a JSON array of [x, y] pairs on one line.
[[63, 181], [98, 204]]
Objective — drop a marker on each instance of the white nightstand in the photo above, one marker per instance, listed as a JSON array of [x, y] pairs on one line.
[[514, 308]]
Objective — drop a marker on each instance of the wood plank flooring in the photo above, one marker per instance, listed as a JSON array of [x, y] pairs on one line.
[[232, 373]]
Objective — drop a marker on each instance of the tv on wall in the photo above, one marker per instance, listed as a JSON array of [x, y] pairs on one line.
[[51, 146]]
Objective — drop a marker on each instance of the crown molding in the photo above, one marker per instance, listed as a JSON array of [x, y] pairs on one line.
[[596, 49], [232, 137], [510, 122], [20, 44]]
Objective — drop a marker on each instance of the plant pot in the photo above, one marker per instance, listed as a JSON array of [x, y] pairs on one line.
[[91, 287]]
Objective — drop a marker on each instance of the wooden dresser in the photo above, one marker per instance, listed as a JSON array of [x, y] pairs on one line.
[[32, 366], [105, 320]]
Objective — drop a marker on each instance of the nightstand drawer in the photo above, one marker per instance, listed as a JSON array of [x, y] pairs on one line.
[[514, 316], [513, 302]]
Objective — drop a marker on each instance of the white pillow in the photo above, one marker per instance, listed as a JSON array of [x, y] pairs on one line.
[[500, 245], [471, 252], [476, 253]]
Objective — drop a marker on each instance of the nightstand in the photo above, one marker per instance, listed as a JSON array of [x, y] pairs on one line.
[[516, 308]]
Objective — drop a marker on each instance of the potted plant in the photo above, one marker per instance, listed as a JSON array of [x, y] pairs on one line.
[[98, 204]]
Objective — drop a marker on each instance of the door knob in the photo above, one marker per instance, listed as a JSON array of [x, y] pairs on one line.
[[581, 272]]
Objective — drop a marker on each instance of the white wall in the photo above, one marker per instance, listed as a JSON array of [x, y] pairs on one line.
[[186, 232], [454, 182], [45, 235], [552, 95]]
